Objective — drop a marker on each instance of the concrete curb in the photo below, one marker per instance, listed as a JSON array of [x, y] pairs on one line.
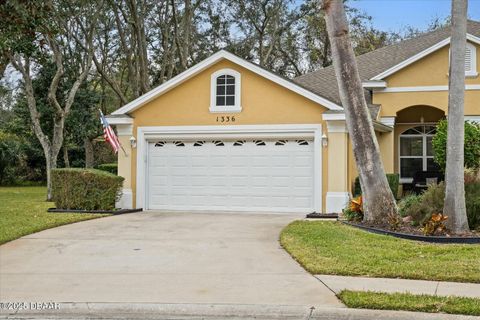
[[438, 288], [217, 311]]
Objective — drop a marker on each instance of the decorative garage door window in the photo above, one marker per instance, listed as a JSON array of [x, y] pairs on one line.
[[237, 143], [257, 174], [416, 151]]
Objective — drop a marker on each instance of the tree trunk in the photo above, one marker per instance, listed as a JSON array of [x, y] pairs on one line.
[[51, 163], [379, 203], [66, 161], [89, 156], [454, 206]]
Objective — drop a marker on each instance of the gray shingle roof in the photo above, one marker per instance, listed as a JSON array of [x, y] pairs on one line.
[[324, 83]]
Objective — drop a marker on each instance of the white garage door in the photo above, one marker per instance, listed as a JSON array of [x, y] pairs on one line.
[[235, 175]]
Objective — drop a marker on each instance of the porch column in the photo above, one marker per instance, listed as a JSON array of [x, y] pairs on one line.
[[124, 132], [337, 190], [386, 143]]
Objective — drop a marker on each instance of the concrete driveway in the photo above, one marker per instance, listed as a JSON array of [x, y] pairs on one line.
[[168, 258]]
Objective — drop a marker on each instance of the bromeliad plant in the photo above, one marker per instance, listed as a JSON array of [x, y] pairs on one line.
[[354, 211]]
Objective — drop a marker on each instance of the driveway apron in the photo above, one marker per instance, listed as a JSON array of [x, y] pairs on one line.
[[157, 257]]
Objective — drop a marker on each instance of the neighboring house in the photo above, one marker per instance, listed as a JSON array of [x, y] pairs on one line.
[[228, 135]]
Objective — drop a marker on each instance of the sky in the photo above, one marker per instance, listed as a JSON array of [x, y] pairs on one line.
[[393, 15]]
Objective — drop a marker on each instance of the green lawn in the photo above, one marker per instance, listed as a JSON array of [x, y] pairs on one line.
[[23, 210], [325, 247], [410, 302]]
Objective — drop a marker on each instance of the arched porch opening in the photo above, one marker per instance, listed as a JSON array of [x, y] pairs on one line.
[[415, 127]]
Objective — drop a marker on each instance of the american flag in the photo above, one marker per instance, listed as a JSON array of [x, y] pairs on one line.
[[109, 134]]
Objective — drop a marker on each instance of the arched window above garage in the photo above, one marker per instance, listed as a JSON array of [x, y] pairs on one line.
[[225, 91]]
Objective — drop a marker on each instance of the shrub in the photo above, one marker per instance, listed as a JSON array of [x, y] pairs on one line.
[[109, 167], [429, 202], [406, 203], [471, 149], [10, 157], [472, 203], [393, 181], [422, 207], [471, 176], [354, 210], [85, 189], [435, 225]]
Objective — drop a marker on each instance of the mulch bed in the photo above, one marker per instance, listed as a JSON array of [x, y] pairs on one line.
[[315, 215], [114, 212], [407, 231]]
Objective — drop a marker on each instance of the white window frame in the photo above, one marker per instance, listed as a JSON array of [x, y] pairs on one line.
[[424, 155], [213, 92], [473, 70]]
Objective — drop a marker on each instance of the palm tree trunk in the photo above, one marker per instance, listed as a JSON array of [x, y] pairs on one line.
[[379, 202], [454, 206]]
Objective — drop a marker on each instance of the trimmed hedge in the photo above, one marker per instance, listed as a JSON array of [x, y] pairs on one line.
[[85, 189], [109, 167], [393, 181]]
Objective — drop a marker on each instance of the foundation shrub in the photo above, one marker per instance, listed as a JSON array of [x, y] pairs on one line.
[[85, 189], [422, 207], [406, 203], [426, 204]]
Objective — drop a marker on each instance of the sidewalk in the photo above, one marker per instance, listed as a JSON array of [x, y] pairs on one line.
[[439, 288]]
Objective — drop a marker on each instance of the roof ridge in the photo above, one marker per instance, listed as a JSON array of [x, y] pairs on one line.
[[387, 47], [418, 37]]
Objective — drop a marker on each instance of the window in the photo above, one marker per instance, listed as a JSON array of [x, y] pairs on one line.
[[416, 152], [471, 60], [225, 91]]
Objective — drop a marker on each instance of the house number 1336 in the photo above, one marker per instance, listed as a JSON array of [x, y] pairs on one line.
[[226, 119]]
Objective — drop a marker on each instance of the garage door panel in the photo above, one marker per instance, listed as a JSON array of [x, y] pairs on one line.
[[239, 181], [282, 181], [254, 175], [301, 201], [280, 161], [198, 180]]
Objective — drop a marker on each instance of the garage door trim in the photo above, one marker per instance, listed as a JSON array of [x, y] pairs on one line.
[[146, 134]]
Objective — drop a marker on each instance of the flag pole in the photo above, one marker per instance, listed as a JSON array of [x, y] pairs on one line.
[[101, 117], [126, 155]]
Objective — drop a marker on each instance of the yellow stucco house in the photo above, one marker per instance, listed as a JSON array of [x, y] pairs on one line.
[[228, 135]]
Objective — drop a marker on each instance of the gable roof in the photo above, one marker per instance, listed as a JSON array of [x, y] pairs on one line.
[[374, 64], [225, 55]]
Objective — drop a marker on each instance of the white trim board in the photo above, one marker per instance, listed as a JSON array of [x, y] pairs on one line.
[[336, 201], [145, 134], [374, 84], [388, 121], [419, 56], [468, 87], [189, 73], [333, 116], [123, 120], [473, 118]]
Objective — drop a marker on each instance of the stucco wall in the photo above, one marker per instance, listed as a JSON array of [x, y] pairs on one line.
[[431, 70], [386, 145], [263, 102]]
